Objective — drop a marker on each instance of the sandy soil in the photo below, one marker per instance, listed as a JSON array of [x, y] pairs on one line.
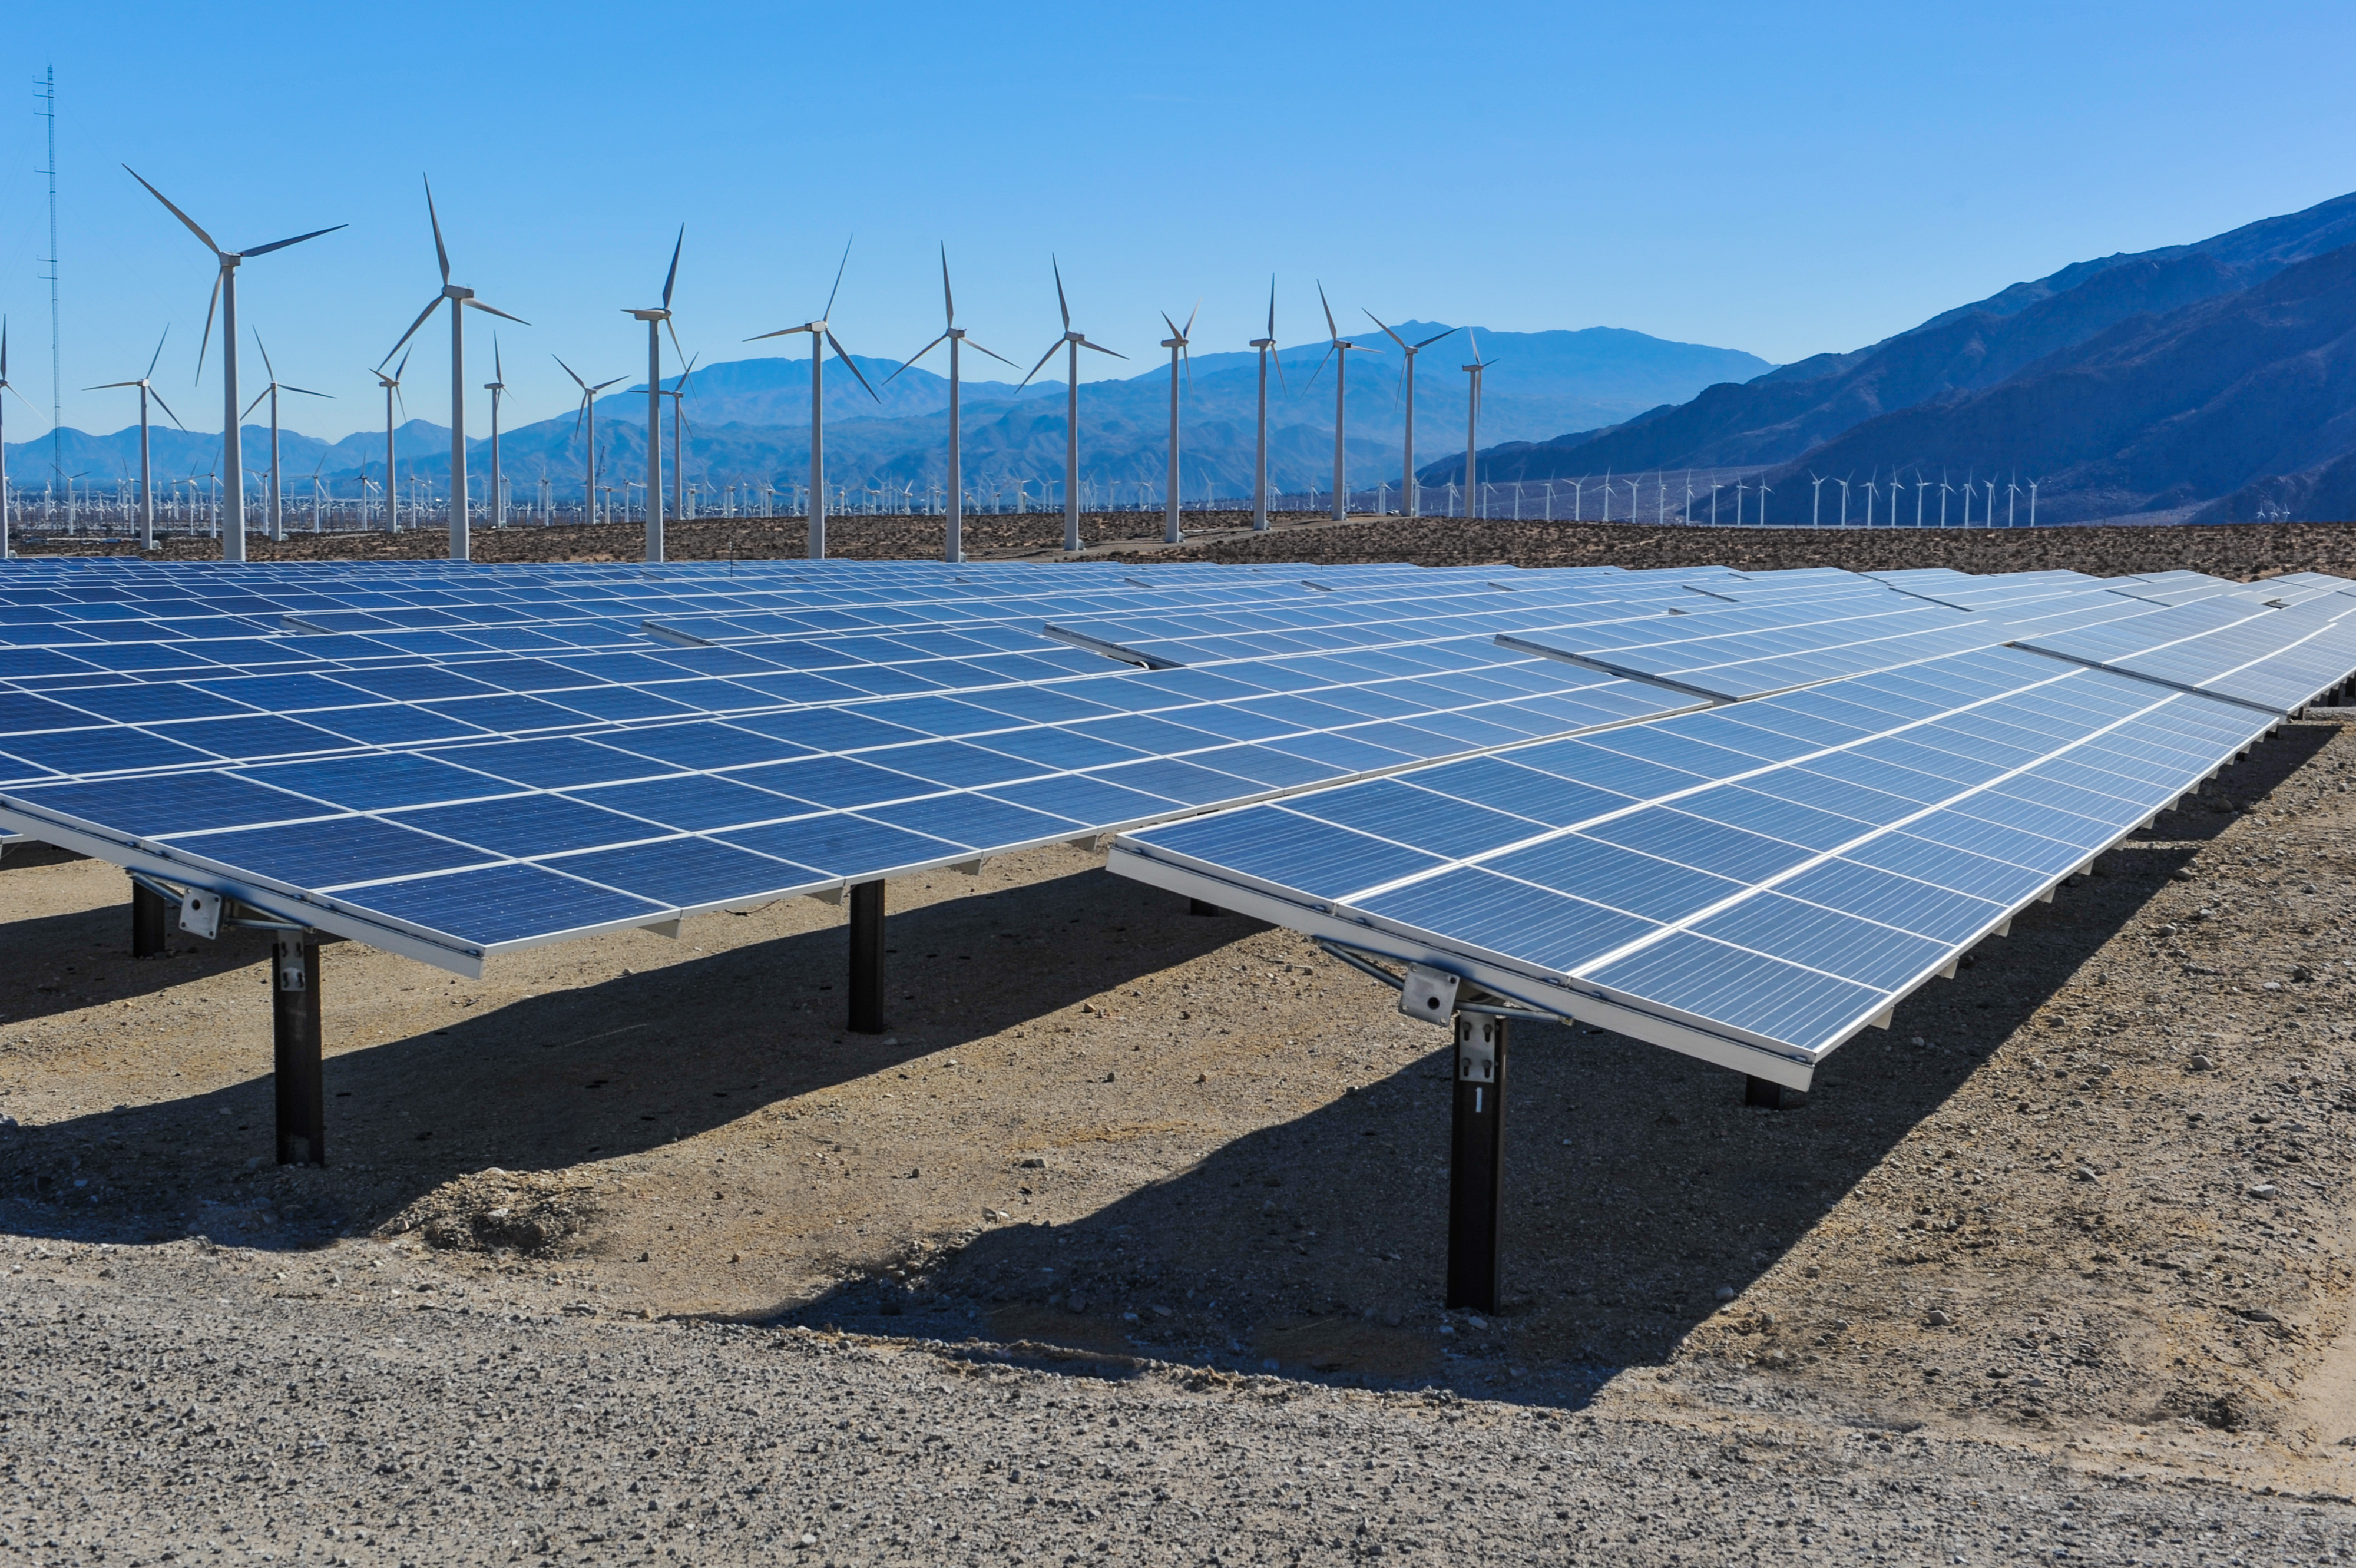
[[2242, 551]]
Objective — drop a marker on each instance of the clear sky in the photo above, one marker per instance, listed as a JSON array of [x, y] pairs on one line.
[[1783, 179]]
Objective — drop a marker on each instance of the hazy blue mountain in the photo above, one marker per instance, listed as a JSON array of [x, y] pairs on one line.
[[1809, 407], [748, 419]]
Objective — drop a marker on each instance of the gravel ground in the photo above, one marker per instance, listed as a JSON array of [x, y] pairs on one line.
[[188, 1403], [2242, 551]]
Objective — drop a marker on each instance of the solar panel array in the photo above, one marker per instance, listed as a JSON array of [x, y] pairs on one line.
[[1754, 882], [1741, 814]]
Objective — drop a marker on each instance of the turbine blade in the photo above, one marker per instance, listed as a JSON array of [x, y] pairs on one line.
[[1271, 306], [406, 336], [948, 300], [1280, 373], [498, 370], [828, 314], [672, 276], [917, 356], [1170, 324], [151, 364], [495, 310], [601, 386], [266, 365], [1035, 369], [440, 253], [780, 332], [107, 386], [205, 341], [847, 360], [1436, 337], [1102, 349], [306, 391], [255, 404], [175, 211], [400, 367], [1332, 331], [979, 349], [167, 407], [674, 337], [1330, 349], [1061, 302], [571, 372], [282, 244]]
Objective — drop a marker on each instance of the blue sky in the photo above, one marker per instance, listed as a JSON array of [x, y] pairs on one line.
[[1780, 179]]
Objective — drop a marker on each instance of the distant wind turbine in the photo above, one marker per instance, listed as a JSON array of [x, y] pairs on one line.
[[658, 319], [589, 414], [147, 486], [1177, 344], [1472, 423], [1816, 504], [821, 336], [225, 297], [1071, 342], [1843, 483], [277, 521], [953, 547], [1266, 349], [496, 386], [391, 385], [1338, 349], [1408, 485], [461, 299]]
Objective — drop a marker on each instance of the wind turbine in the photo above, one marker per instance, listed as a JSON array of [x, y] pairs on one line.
[[1843, 483], [1970, 487], [677, 395], [1338, 347], [391, 385], [460, 299], [1816, 504], [1071, 342], [225, 296], [7, 386], [953, 550], [1473, 421], [1763, 493], [821, 338], [1945, 489], [277, 528], [658, 319], [147, 488], [1176, 343], [1406, 485], [2032, 503], [1267, 347], [1920, 484], [589, 412], [1872, 489], [496, 386]]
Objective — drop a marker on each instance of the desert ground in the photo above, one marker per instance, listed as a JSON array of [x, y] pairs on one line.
[[1125, 1243]]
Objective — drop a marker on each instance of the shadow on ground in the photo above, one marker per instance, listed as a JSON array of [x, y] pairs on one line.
[[1638, 1186]]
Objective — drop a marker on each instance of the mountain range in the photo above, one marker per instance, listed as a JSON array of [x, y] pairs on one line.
[[748, 421], [2209, 382]]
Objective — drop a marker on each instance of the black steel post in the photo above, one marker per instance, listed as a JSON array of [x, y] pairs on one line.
[[1197, 906], [151, 923], [1476, 1162], [867, 957], [1767, 1095], [295, 1039]]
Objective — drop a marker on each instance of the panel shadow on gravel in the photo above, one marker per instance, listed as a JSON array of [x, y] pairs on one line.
[[1638, 1186], [590, 1073]]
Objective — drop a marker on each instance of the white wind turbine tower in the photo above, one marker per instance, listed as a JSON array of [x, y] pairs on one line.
[[391, 385], [1843, 483], [657, 318], [496, 386], [821, 337], [460, 300], [1945, 489], [1177, 344], [1407, 388], [225, 297], [1816, 502], [1920, 484], [1473, 421], [1071, 342], [953, 549], [147, 486], [1338, 349], [677, 395], [6, 551], [277, 523], [588, 413], [1266, 349]]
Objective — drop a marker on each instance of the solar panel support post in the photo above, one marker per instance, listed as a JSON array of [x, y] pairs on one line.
[[151, 923], [1198, 907], [295, 1039], [867, 957], [1476, 1162]]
